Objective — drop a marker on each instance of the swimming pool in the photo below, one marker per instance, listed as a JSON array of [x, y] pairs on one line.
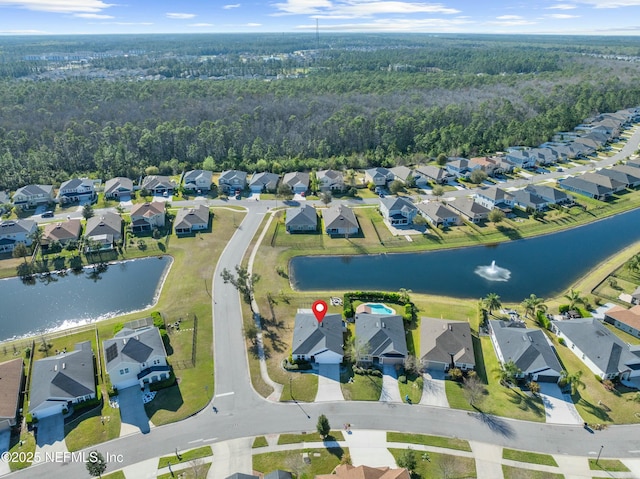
[[379, 308]]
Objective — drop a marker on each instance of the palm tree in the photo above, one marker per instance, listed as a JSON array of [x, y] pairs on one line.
[[492, 301], [36, 238], [633, 264], [351, 177], [357, 350], [508, 372], [573, 380], [574, 298], [533, 304]]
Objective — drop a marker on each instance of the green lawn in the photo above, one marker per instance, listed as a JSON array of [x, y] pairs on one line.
[[519, 473], [310, 437], [431, 465], [93, 427], [609, 465], [301, 387], [362, 388], [193, 471], [186, 456], [28, 447], [412, 388], [526, 456], [115, 475], [322, 461], [426, 440], [259, 441]]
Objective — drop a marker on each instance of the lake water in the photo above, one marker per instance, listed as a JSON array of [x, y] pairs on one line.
[[545, 265], [79, 298]]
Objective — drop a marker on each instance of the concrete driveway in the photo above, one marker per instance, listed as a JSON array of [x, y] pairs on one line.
[[50, 435], [329, 383], [5, 438], [369, 448], [558, 407], [390, 391], [433, 390], [134, 417]]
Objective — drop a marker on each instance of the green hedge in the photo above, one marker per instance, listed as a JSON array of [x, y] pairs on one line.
[[348, 310]]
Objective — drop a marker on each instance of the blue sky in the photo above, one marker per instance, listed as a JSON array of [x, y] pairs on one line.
[[601, 17]]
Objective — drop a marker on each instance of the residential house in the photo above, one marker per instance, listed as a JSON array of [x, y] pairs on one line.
[[147, 216], [76, 189], [264, 182], [297, 181], [232, 180], [581, 149], [241, 475], [592, 143], [58, 382], [301, 219], [635, 296], [435, 174], [494, 197], [198, 180], [319, 342], [104, 230], [528, 200], [330, 180], [614, 185], [627, 320], [489, 165], [11, 387], [438, 214], [31, 196], [378, 176], [340, 220], [633, 163], [278, 474], [63, 232], [469, 209], [543, 156], [550, 195], [521, 159], [398, 211], [347, 471], [581, 186], [17, 231], [189, 220], [159, 185], [604, 353], [625, 175], [381, 337], [529, 349], [460, 167], [136, 357], [445, 344], [401, 173], [118, 187]]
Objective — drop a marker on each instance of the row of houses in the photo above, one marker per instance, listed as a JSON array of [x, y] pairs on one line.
[[602, 184], [338, 220]]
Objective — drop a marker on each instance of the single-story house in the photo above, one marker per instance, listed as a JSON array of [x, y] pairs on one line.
[[606, 181], [76, 189], [494, 197], [232, 180], [17, 231], [633, 163], [627, 320], [527, 199], [529, 349], [378, 176], [604, 353], [191, 219], [330, 180], [63, 232], [398, 211], [33, 195], [340, 220], [438, 214], [623, 174], [471, 210], [318, 342], [381, 337], [434, 173], [147, 216], [118, 187], [549, 194], [198, 180], [136, 357], [301, 219], [297, 181], [445, 343], [159, 185], [263, 182], [58, 382], [347, 471], [11, 386], [401, 173], [105, 229], [579, 185]]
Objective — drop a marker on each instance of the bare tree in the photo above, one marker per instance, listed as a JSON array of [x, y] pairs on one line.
[[448, 466], [474, 390]]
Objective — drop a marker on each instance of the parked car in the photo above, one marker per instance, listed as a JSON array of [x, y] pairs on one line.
[[47, 214]]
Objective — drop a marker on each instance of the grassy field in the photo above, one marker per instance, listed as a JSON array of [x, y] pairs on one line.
[[518, 473], [433, 464], [204, 451], [609, 465], [259, 441], [311, 437], [426, 440], [531, 457], [322, 461]]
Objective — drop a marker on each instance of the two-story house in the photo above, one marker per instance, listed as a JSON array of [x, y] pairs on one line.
[[17, 231], [147, 216], [330, 180], [198, 180], [76, 189], [232, 180], [398, 211], [33, 195], [119, 187]]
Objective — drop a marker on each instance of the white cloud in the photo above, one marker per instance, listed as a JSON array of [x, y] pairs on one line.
[[181, 16], [562, 6], [22, 32], [123, 23], [200, 24], [230, 6], [254, 24], [59, 6], [396, 25], [611, 3], [95, 16], [511, 21], [358, 8], [561, 16], [510, 17]]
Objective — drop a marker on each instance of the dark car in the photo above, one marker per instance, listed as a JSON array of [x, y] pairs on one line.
[[47, 214]]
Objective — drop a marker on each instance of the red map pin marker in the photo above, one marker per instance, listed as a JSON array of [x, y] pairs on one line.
[[319, 309]]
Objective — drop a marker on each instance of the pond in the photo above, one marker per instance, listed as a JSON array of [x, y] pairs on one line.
[[60, 302], [544, 265]]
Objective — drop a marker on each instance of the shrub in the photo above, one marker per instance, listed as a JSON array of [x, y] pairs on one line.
[[608, 384], [562, 341], [408, 312], [419, 382], [158, 321], [165, 383], [455, 374], [27, 353], [598, 378], [563, 308], [403, 379]]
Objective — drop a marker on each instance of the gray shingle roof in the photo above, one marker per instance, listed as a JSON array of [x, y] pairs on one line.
[[157, 181], [551, 195], [133, 345], [30, 190], [188, 217], [192, 175], [296, 178], [440, 338], [264, 179], [116, 184], [311, 337], [469, 207], [228, 175], [383, 333], [339, 216], [494, 193], [332, 174], [12, 227], [301, 216], [437, 211], [580, 184], [397, 203], [106, 224]]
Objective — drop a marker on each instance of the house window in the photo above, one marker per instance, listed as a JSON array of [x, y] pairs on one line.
[[124, 371]]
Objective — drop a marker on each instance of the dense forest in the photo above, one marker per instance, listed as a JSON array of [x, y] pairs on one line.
[[362, 101]]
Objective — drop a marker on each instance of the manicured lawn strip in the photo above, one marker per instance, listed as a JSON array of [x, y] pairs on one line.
[[310, 437], [28, 448], [413, 387], [115, 475], [258, 383], [302, 386], [94, 427], [426, 440], [456, 397], [363, 388], [259, 441], [609, 465], [626, 337], [520, 473], [204, 451], [292, 461], [432, 464], [189, 473], [532, 457]]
